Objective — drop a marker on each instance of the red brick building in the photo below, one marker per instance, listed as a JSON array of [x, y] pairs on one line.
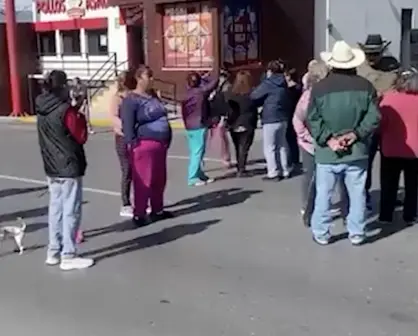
[[202, 35]]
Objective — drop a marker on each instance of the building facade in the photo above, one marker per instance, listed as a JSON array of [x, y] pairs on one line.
[[240, 34], [352, 21], [84, 37]]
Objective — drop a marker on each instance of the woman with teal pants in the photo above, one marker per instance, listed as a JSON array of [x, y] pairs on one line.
[[194, 111]]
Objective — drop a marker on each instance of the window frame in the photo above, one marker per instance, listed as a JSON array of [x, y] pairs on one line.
[[257, 32], [74, 43], [199, 5], [52, 38], [97, 33]]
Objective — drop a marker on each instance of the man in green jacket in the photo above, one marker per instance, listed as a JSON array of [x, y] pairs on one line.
[[342, 117]]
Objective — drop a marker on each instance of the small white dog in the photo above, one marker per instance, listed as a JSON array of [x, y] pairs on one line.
[[15, 232]]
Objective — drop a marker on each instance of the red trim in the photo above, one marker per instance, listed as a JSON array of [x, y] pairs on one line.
[[75, 24]]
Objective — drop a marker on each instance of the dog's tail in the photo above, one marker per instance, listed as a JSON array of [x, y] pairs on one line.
[[22, 223]]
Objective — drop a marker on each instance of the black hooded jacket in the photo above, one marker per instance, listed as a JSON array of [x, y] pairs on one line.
[[62, 156]]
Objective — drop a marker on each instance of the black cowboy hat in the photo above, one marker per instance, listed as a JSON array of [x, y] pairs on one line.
[[374, 44]]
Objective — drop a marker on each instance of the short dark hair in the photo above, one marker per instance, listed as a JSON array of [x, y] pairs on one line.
[[141, 69], [293, 74], [194, 79], [55, 81], [276, 66]]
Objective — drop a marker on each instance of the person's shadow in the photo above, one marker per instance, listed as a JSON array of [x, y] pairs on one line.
[[215, 199], [162, 237], [19, 191]]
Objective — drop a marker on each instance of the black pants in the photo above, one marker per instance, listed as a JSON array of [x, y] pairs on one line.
[[292, 142], [390, 172], [308, 185], [126, 170], [372, 154], [242, 143]]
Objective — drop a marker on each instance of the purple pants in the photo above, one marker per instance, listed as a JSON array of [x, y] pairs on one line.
[[149, 176]]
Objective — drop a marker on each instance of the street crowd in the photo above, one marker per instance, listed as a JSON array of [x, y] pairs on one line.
[[328, 124]]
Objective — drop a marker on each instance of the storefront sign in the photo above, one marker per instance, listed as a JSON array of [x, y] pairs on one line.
[[188, 39], [240, 44], [50, 6], [132, 15], [74, 8]]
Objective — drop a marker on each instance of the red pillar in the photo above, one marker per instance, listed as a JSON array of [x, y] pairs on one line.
[[15, 85]]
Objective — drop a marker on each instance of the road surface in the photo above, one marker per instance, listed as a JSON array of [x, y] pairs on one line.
[[235, 261]]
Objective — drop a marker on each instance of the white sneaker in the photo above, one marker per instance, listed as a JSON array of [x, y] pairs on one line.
[[199, 183], [210, 180], [126, 211], [52, 261], [76, 264]]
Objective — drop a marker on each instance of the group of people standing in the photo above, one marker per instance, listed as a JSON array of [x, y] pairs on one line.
[[216, 105], [335, 120], [352, 107]]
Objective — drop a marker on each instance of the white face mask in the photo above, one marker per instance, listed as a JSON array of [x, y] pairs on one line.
[[268, 73]]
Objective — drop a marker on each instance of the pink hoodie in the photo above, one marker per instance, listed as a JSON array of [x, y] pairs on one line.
[[305, 139]]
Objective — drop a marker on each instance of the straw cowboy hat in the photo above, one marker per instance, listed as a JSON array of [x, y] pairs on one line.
[[343, 56]]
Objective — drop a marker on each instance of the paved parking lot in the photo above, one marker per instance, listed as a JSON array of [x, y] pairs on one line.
[[235, 261]]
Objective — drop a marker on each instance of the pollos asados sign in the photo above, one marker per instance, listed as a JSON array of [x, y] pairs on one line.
[[73, 8]]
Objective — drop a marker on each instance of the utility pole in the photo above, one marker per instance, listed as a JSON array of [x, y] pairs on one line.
[[15, 83]]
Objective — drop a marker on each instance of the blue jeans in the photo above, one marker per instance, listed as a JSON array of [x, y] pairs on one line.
[[196, 140], [353, 175], [275, 149], [64, 215]]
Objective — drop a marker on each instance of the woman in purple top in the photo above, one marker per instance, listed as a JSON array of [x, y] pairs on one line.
[[195, 114], [147, 132]]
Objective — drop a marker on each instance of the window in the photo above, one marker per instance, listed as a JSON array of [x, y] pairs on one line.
[[187, 30], [406, 26], [240, 44], [97, 42], [70, 42], [46, 43]]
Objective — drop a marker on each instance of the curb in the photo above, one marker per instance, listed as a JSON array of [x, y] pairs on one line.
[[96, 122]]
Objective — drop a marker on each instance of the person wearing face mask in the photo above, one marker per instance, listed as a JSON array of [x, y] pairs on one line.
[[272, 95], [147, 133], [195, 113], [62, 133], [216, 119]]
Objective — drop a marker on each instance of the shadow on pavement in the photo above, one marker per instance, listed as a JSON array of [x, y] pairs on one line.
[[162, 237], [27, 250], [211, 200], [215, 199], [24, 214], [19, 191]]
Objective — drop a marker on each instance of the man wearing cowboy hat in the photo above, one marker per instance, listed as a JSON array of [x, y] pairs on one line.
[[342, 117], [380, 70]]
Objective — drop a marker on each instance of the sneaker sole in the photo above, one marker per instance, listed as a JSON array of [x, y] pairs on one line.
[[52, 263], [72, 268], [319, 242]]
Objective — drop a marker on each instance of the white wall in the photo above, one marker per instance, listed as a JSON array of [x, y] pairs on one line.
[[321, 39], [117, 42], [353, 20]]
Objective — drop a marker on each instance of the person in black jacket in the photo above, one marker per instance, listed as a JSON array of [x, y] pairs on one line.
[[294, 92], [65, 164], [242, 118]]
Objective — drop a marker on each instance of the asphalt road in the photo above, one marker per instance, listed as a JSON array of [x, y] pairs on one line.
[[235, 261]]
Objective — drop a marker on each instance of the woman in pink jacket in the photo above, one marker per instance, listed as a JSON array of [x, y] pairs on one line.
[[317, 71]]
